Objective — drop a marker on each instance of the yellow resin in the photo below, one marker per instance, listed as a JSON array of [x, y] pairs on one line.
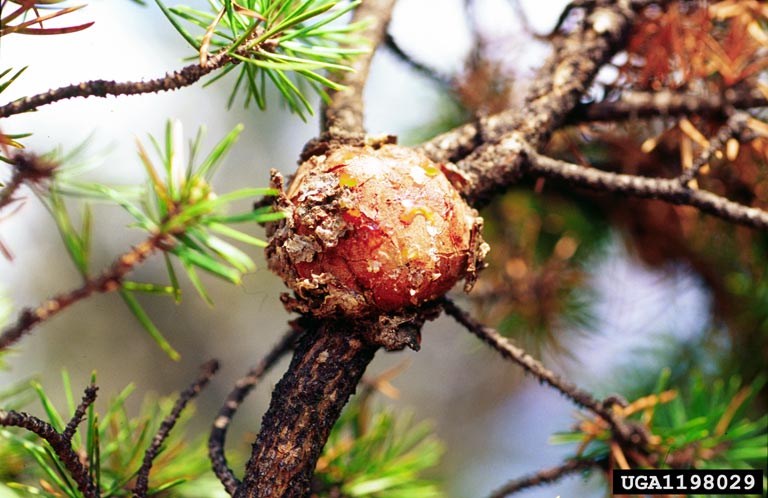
[[429, 168], [347, 180], [411, 215]]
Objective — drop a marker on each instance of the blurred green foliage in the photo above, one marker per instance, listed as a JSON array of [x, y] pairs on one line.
[[538, 285], [111, 442], [374, 452], [703, 423]]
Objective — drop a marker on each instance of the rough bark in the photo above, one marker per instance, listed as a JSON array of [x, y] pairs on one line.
[[326, 368], [344, 115], [488, 152]]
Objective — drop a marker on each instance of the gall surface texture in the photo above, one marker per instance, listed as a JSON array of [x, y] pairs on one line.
[[373, 230]]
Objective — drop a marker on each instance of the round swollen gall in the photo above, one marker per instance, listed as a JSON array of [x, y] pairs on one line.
[[373, 230]]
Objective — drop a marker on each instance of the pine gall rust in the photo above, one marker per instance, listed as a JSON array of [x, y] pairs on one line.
[[373, 230]]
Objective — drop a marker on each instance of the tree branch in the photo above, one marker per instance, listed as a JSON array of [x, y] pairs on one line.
[[175, 80], [142, 477], [518, 355], [88, 398], [343, 116], [186, 76], [508, 350], [61, 445], [555, 91], [242, 388], [544, 477], [634, 105], [669, 190], [327, 365], [734, 127], [108, 281]]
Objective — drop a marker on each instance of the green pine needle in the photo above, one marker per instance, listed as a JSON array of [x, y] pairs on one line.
[[383, 460], [287, 42], [10, 80], [706, 420], [146, 323]]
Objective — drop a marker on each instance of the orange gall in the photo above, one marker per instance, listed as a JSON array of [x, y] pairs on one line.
[[374, 230]]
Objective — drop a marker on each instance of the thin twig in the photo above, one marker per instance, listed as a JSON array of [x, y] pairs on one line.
[[243, 387], [519, 356], [108, 281], [103, 88], [88, 398], [733, 128], [669, 190], [142, 477], [442, 80], [544, 476], [636, 105], [508, 350], [61, 445], [175, 80], [343, 116]]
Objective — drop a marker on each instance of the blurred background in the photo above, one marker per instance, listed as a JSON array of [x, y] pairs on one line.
[[576, 286]]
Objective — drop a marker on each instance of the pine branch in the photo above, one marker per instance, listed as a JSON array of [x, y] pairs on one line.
[[555, 91], [186, 76], [508, 350], [327, 365], [670, 190], [544, 477], [175, 80], [88, 398], [142, 477], [61, 445], [243, 387], [329, 361], [636, 105], [343, 116], [108, 281]]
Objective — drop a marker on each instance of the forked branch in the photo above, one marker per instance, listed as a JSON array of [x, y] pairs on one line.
[[61, 442], [555, 91]]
